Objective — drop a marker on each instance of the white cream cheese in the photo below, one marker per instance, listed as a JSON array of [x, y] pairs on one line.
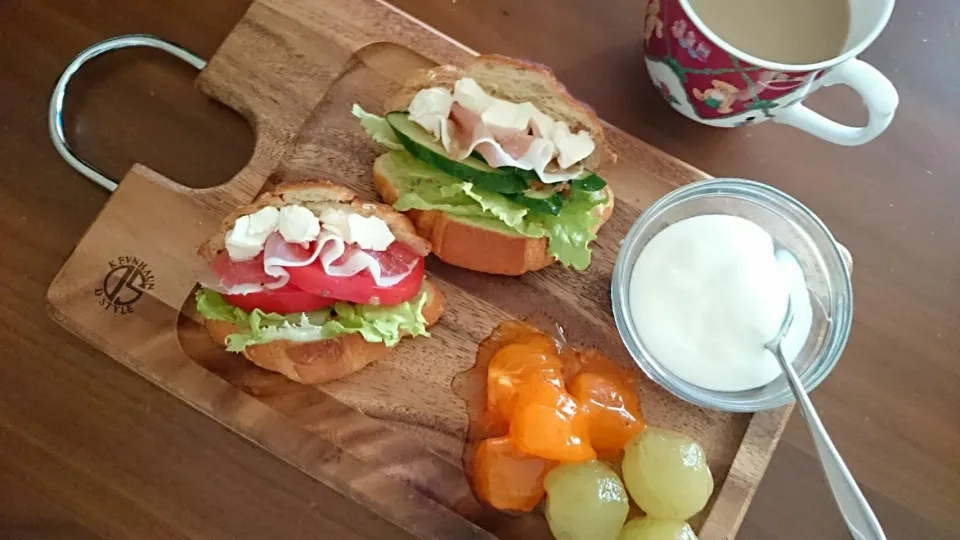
[[245, 240], [708, 292], [298, 225], [431, 109], [368, 232], [542, 127], [506, 118], [468, 93], [571, 149]]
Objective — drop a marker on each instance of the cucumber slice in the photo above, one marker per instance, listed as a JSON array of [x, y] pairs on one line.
[[424, 147], [539, 194], [536, 201], [505, 180], [586, 181]]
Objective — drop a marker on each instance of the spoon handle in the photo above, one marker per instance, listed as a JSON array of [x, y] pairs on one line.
[[853, 506]]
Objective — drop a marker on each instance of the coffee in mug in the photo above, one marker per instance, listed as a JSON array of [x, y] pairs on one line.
[[784, 31], [730, 63]]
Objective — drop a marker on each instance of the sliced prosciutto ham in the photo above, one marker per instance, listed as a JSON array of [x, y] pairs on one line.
[[505, 133], [227, 276], [516, 144], [467, 133], [328, 267], [337, 258]]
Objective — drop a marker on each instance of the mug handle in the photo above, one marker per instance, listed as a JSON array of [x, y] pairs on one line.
[[879, 96]]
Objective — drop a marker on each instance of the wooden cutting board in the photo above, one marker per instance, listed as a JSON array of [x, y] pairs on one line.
[[390, 436]]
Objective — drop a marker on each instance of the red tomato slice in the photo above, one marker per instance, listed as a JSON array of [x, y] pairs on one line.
[[284, 300], [361, 288]]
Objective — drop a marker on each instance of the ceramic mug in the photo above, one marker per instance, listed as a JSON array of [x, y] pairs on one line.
[[708, 80]]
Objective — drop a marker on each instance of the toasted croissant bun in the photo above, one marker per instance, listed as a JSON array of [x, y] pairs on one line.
[[328, 359], [465, 243]]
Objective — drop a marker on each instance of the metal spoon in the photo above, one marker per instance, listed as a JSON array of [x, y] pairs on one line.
[[853, 506]]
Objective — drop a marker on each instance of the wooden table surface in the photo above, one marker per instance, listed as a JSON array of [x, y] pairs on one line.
[[88, 449]]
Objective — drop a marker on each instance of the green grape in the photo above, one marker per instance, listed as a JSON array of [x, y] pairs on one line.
[[666, 473], [649, 528], [585, 501]]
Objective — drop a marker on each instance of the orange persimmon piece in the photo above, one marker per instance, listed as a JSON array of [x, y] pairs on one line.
[[514, 364], [611, 409], [547, 423], [507, 478]]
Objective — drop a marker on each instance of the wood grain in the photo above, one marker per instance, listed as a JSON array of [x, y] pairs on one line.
[[130, 461]]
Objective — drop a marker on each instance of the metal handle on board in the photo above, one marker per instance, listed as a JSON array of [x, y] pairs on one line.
[[55, 114]]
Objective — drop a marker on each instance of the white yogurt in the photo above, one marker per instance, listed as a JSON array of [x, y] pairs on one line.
[[708, 292]]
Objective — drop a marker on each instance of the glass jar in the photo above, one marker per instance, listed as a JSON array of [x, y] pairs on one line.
[[794, 228]]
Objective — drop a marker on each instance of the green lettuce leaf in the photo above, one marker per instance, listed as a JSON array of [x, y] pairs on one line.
[[377, 324], [569, 234], [377, 128], [212, 306], [496, 204]]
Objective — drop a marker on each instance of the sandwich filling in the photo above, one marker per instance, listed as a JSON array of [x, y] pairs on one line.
[[287, 273], [493, 164], [506, 134]]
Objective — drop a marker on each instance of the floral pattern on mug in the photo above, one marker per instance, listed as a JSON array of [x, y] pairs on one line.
[[710, 85], [653, 25], [688, 40], [665, 92], [776, 80], [712, 82], [720, 96]]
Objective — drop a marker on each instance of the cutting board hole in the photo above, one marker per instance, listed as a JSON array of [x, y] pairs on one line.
[[140, 106]]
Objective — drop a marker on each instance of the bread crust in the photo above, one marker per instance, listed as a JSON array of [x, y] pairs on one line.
[[517, 81], [316, 195], [474, 248], [322, 361]]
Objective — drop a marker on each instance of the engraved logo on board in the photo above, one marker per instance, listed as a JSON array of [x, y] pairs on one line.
[[124, 284]]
